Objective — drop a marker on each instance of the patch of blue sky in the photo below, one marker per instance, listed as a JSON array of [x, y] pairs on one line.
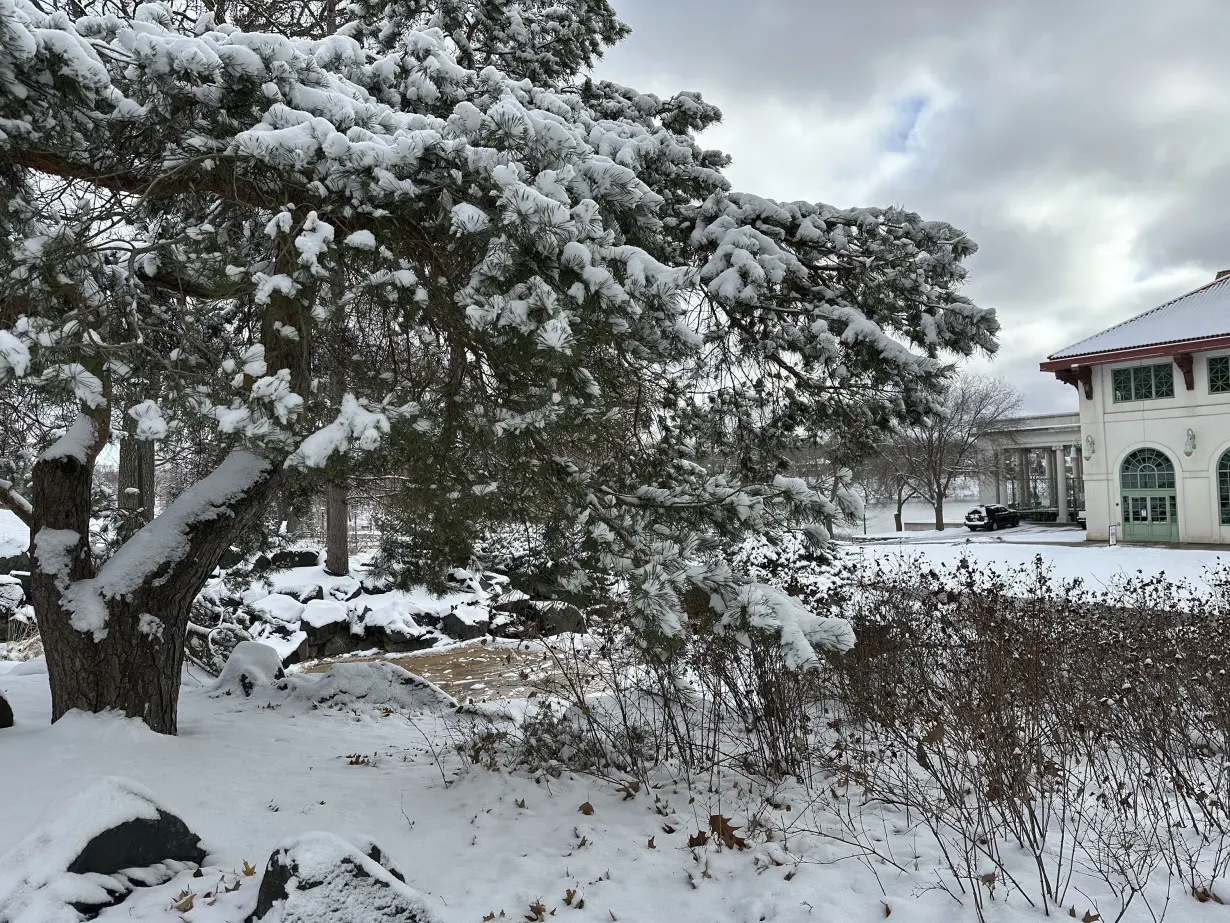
[[908, 111]]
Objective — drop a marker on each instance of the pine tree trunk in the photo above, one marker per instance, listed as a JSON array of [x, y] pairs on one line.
[[337, 531], [145, 481], [134, 667], [286, 514], [136, 477], [129, 475]]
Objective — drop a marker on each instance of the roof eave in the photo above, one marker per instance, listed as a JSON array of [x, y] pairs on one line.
[[1151, 351]]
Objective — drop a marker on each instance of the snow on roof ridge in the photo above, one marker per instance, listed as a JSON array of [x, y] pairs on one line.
[[1071, 350]]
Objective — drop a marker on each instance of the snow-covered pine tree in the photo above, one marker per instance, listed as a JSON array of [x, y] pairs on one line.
[[548, 283]]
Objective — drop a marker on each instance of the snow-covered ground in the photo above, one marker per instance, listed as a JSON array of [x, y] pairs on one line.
[[14, 536], [1030, 533], [1063, 550], [248, 773], [478, 842]]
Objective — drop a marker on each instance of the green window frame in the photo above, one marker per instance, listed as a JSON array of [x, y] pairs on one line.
[[1219, 375], [1149, 469], [1143, 382], [1223, 488]]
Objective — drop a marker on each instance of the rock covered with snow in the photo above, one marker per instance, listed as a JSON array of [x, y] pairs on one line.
[[251, 665], [6, 713], [295, 557], [375, 683], [91, 852], [321, 878]]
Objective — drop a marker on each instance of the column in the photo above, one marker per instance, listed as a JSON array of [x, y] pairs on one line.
[[998, 473], [1048, 475], [1061, 481], [1023, 499]]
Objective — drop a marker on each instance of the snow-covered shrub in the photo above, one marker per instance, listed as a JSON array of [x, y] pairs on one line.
[[1017, 715]]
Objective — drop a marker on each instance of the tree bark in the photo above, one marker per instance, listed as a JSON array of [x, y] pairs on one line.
[[939, 513], [287, 515], [337, 531], [136, 477], [133, 664]]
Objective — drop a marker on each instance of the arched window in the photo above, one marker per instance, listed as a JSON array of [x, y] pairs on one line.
[[1148, 469], [1223, 488]]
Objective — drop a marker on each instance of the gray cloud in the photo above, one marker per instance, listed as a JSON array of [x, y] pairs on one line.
[[1085, 145]]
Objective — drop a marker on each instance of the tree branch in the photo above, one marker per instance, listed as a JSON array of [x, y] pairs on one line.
[[17, 503]]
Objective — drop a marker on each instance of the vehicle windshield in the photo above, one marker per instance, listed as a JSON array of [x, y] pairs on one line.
[[976, 511]]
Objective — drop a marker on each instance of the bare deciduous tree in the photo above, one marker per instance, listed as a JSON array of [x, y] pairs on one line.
[[925, 460]]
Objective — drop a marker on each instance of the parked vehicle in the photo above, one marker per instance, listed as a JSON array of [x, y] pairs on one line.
[[991, 517]]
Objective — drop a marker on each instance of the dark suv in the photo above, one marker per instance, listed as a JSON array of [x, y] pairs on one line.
[[991, 517]]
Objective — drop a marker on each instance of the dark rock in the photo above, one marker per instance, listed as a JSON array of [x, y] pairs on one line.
[[453, 626], [139, 843], [231, 558], [27, 583], [399, 642], [6, 712], [541, 617], [16, 562], [557, 618], [377, 855], [306, 594], [375, 586], [322, 878], [428, 619], [345, 594], [251, 665], [295, 557], [105, 841]]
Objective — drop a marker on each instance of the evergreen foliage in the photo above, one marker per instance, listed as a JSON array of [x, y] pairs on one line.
[[542, 295]]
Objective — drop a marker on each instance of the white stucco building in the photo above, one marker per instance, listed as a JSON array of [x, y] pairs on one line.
[[1153, 454]]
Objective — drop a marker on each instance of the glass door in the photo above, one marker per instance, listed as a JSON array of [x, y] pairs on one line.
[[1150, 516]]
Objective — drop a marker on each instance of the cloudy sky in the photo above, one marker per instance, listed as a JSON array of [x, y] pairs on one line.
[[1085, 144]]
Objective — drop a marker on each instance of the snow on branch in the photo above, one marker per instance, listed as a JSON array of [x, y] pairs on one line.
[[163, 542], [78, 442], [16, 502], [354, 422]]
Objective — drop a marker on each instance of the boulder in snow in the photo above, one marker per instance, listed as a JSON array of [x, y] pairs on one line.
[[466, 622], [15, 562], [375, 586], [295, 557], [27, 582], [542, 617], [279, 609], [103, 842], [305, 594], [369, 848], [375, 683], [399, 641], [12, 595], [346, 591], [6, 712], [250, 666], [321, 878]]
